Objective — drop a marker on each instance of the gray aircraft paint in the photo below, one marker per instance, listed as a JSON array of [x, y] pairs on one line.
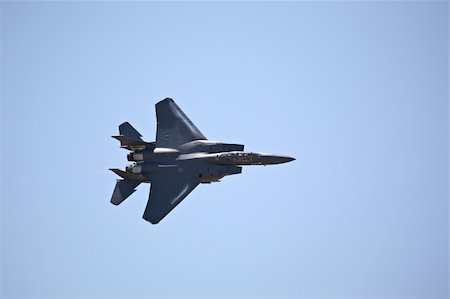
[[178, 161]]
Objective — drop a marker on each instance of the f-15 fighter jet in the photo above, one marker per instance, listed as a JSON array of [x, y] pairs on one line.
[[179, 160]]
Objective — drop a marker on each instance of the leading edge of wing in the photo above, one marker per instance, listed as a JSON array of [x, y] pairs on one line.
[[166, 192]]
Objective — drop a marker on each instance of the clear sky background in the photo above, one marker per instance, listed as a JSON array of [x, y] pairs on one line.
[[356, 91]]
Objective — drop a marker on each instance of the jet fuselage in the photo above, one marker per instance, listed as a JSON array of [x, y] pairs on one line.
[[215, 164]]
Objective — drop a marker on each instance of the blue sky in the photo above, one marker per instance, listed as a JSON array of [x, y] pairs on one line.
[[356, 91]]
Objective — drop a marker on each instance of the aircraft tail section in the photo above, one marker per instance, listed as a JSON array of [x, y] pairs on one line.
[[126, 129], [131, 139], [123, 190]]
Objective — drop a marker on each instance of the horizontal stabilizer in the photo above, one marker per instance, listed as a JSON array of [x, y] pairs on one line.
[[129, 176], [125, 140], [133, 144], [123, 190]]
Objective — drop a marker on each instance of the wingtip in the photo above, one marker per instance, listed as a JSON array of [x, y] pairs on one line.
[[150, 220], [114, 203], [164, 101], [149, 217]]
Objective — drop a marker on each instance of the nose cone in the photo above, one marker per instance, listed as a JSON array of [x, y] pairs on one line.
[[283, 159], [275, 159], [286, 159]]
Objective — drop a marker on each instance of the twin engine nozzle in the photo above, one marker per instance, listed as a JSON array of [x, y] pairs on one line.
[[135, 156], [140, 168], [148, 167], [138, 156]]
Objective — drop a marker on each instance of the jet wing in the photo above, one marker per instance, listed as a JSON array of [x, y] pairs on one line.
[[174, 128], [168, 189]]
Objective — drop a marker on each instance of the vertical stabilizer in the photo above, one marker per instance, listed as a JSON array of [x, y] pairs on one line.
[[127, 130]]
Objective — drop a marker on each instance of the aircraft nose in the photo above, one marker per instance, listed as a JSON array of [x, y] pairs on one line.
[[276, 159], [285, 159]]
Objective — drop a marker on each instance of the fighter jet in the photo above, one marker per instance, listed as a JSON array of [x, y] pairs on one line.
[[178, 161]]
